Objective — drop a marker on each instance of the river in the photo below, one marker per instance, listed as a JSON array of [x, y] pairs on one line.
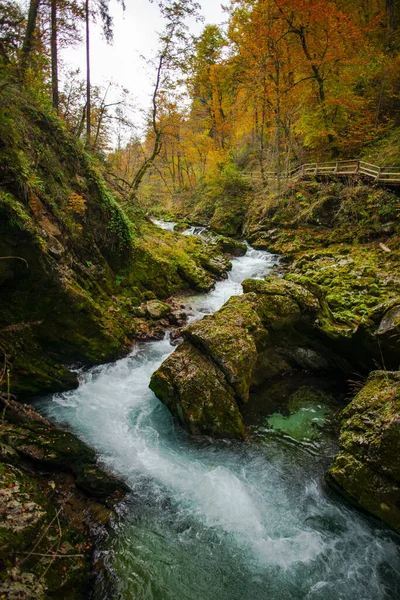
[[223, 520]]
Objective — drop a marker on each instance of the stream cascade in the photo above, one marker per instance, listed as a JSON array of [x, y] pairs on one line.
[[222, 519]]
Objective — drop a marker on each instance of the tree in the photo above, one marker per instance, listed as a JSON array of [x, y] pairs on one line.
[[101, 8], [391, 14], [11, 29], [207, 84], [265, 65], [64, 17], [29, 32], [54, 55], [330, 43], [170, 60]]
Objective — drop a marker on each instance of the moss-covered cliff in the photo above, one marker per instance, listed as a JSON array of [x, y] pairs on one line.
[[72, 265], [367, 468]]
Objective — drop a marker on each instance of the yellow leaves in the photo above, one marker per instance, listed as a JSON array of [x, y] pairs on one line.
[[76, 204]]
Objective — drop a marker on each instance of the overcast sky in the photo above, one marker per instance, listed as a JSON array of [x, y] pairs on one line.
[[135, 35]]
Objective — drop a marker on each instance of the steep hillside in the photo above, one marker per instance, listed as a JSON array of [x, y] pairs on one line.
[[72, 265]]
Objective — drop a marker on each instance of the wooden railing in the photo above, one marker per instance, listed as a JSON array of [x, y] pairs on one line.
[[342, 168]]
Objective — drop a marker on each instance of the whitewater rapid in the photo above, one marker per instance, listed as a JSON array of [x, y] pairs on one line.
[[220, 520]]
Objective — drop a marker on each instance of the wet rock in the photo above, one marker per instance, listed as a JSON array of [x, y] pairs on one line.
[[177, 318], [176, 336], [154, 309], [54, 449], [231, 246], [367, 470], [196, 392], [149, 330], [388, 334], [53, 499], [268, 331], [18, 412], [228, 338], [218, 265]]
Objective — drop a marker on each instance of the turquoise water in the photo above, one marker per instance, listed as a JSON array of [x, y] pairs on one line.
[[224, 520]]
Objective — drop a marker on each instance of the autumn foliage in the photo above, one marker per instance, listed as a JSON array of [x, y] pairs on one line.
[[286, 82]]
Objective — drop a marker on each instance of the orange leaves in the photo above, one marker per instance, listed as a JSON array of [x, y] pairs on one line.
[[76, 204]]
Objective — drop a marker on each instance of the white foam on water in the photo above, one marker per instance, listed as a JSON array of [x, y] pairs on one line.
[[168, 225], [234, 493]]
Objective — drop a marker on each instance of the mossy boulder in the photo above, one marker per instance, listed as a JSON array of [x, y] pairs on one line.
[[218, 265], [231, 246], [52, 448], [367, 469], [228, 216], [228, 337], [196, 392], [266, 332], [154, 309]]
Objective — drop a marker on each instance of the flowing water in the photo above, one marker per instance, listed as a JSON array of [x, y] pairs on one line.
[[168, 225], [223, 520]]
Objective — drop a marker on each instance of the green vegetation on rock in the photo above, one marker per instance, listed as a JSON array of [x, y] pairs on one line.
[[267, 332], [367, 468], [53, 497], [196, 392], [76, 264]]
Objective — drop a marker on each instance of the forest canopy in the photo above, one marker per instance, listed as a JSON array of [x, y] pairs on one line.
[[283, 83]]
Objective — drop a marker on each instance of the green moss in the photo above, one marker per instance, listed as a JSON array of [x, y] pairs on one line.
[[367, 467], [117, 221], [228, 338], [55, 449], [268, 331], [196, 393]]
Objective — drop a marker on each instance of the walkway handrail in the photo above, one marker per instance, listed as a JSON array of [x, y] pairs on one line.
[[338, 168]]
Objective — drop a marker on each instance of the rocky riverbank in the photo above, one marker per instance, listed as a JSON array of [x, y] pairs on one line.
[[335, 312], [80, 282], [367, 468], [55, 502]]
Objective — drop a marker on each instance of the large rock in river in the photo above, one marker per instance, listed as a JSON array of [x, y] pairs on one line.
[[367, 467], [264, 333], [197, 393]]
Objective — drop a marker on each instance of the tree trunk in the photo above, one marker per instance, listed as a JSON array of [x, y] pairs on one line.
[[390, 12], [88, 107], [300, 32], [157, 133], [28, 39], [80, 127], [54, 55], [278, 126]]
